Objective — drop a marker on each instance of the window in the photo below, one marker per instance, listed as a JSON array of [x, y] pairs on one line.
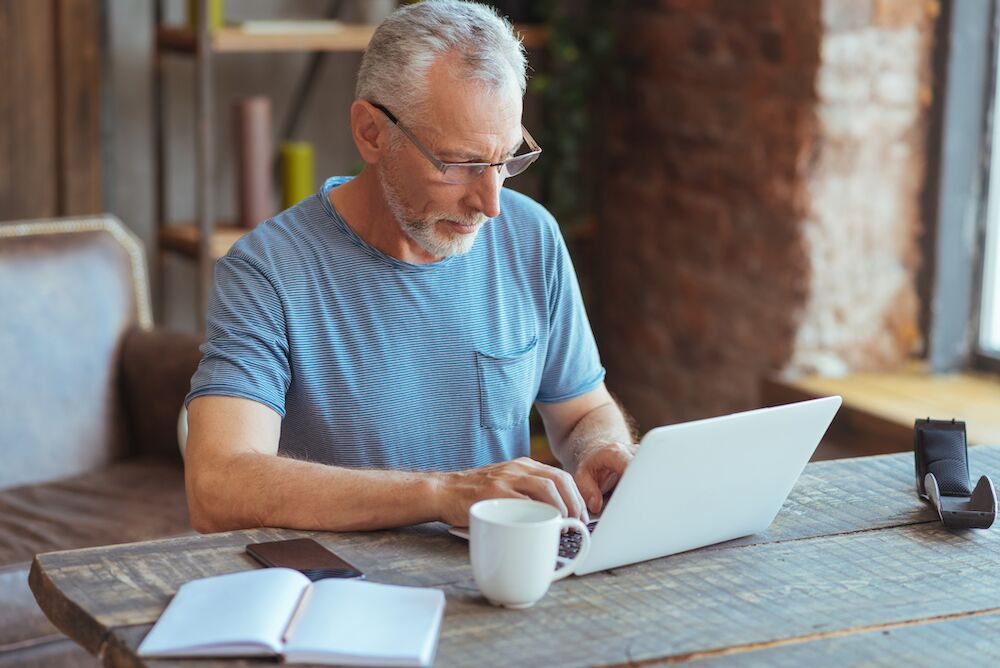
[[989, 313], [963, 291], [988, 340]]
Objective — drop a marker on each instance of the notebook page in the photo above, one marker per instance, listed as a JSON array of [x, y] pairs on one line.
[[240, 613], [367, 624]]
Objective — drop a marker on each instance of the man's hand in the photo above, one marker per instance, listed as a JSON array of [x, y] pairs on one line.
[[522, 478], [592, 437], [600, 468]]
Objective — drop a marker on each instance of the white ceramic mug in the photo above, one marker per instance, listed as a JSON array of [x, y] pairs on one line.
[[513, 544]]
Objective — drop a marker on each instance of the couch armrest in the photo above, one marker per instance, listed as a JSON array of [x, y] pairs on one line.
[[157, 366]]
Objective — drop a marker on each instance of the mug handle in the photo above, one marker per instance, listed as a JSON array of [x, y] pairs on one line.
[[573, 523]]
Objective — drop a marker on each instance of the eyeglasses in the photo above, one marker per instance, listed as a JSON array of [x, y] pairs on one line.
[[458, 173]]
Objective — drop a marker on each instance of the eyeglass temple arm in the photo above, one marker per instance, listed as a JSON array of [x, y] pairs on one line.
[[388, 114], [532, 144], [416, 142]]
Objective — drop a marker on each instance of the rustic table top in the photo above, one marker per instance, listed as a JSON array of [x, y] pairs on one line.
[[855, 570]]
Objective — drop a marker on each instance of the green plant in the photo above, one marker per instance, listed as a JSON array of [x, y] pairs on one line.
[[582, 61]]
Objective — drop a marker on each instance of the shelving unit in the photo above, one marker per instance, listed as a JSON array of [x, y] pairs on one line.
[[347, 37], [204, 240]]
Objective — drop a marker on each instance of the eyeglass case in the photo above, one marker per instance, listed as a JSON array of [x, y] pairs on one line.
[[942, 466]]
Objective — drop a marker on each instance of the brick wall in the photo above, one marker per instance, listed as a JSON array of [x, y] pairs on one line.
[[864, 187], [759, 210]]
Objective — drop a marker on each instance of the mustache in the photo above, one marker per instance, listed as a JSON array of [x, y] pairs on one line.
[[474, 219]]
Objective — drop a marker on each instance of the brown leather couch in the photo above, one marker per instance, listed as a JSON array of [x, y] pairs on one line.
[[89, 397]]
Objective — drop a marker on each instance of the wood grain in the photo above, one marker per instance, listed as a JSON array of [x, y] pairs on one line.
[[50, 134], [705, 601], [79, 101], [852, 551], [965, 640], [28, 148], [346, 37], [185, 238]]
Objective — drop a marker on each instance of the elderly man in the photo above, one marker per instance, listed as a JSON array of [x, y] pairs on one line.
[[374, 351]]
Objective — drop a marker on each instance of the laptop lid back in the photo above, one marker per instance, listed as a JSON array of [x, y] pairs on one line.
[[704, 482]]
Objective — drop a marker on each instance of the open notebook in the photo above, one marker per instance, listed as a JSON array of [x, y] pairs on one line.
[[279, 612]]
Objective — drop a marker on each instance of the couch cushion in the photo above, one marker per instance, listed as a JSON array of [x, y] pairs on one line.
[[128, 501], [26, 636], [51, 652], [69, 289], [22, 624]]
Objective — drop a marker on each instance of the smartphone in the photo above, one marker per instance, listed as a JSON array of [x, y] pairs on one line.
[[304, 555]]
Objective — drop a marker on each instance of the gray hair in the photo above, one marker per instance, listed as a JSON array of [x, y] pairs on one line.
[[405, 45]]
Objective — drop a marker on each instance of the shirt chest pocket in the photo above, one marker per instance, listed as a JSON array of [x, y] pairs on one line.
[[506, 387]]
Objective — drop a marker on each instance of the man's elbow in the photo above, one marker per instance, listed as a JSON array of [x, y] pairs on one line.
[[208, 502], [203, 522], [203, 519]]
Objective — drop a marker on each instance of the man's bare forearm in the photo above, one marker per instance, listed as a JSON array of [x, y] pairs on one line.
[[251, 489], [606, 423]]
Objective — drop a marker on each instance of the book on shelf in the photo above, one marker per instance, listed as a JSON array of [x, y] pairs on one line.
[[279, 612]]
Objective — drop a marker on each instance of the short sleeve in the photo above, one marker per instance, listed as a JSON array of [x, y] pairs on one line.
[[245, 353], [572, 363]]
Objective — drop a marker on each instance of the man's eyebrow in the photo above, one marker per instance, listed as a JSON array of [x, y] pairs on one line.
[[460, 156]]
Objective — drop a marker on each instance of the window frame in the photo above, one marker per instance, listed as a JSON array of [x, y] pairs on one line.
[[956, 192], [980, 358]]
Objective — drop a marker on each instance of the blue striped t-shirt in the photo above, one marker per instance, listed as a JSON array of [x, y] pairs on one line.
[[374, 362]]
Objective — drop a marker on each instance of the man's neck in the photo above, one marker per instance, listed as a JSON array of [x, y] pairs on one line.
[[361, 204]]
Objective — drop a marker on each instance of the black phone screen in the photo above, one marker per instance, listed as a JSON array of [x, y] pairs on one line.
[[304, 555]]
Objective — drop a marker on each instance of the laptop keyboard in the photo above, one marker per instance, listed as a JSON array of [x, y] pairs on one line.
[[569, 542]]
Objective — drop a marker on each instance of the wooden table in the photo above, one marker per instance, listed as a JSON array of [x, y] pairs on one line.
[[855, 570]]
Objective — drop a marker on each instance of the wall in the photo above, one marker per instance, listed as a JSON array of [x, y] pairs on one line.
[[50, 109], [864, 184], [760, 209]]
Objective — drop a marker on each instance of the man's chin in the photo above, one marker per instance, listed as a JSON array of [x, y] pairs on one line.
[[447, 238], [459, 246]]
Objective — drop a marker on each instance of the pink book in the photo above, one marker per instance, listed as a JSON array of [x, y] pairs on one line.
[[255, 151]]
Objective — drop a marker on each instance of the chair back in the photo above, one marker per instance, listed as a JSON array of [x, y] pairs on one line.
[[69, 290]]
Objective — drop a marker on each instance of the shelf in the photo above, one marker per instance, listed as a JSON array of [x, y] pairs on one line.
[[183, 239], [347, 37]]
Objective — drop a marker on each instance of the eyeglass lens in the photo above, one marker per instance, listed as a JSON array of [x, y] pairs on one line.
[[467, 173]]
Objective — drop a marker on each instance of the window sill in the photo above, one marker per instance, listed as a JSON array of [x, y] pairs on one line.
[[879, 408]]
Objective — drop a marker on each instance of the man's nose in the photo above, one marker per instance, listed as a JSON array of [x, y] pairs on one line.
[[485, 193]]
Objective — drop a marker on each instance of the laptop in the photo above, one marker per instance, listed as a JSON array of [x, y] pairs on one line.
[[704, 482]]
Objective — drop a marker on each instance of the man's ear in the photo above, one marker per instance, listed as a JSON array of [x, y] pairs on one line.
[[371, 135]]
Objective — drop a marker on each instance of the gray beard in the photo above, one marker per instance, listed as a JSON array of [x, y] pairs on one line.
[[424, 230]]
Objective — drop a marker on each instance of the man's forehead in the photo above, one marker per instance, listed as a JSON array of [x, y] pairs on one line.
[[476, 111], [466, 141], [478, 147], [468, 115]]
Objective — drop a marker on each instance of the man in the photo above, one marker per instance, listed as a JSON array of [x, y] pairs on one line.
[[374, 351]]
